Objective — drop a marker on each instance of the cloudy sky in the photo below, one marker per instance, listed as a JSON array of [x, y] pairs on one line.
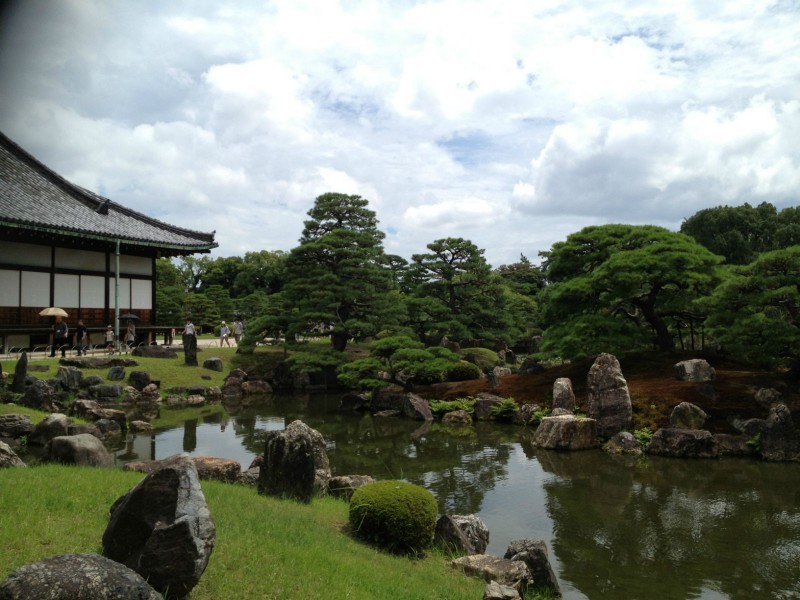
[[511, 123]]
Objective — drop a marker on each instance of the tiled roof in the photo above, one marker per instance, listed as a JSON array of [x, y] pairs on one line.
[[34, 197]]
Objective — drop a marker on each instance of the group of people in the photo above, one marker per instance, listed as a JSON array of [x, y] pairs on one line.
[[82, 340]]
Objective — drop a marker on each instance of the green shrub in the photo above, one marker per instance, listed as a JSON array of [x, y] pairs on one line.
[[505, 410], [538, 414], [463, 371], [643, 436], [440, 408], [394, 515], [485, 358]]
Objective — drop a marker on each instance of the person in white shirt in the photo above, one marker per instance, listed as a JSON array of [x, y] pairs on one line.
[[224, 334]]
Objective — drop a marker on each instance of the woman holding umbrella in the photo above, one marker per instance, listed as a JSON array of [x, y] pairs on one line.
[[60, 337]]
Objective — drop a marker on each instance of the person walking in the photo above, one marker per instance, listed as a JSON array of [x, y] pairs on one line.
[[238, 330], [81, 337], [130, 334], [224, 334], [109, 339], [60, 337]]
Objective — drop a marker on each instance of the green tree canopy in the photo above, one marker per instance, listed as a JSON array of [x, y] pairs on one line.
[[337, 279], [755, 313], [641, 274]]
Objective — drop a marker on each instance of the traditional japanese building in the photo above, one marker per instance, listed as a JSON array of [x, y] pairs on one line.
[[60, 245]]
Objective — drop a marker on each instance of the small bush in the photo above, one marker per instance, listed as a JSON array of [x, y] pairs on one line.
[[463, 371], [440, 408], [485, 358], [539, 414], [394, 515], [643, 436], [506, 410]]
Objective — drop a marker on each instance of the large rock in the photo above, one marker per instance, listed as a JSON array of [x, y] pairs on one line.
[[417, 408], [256, 386], [139, 379], [154, 352], [116, 373], [14, 426], [162, 528], [683, 443], [190, 350], [780, 440], [513, 573], [9, 458], [497, 591], [734, 445], [106, 392], [388, 398], [530, 366], [457, 418], [208, 468], [76, 577], [84, 450], [563, 396], [213, 363], [20, 373], [449, 537], [69, 377], [687, 416], [609, 400], [566, 432], [484, 404], [295, 462], [38, 395], [623, 443], [53, 425], [475, 529], [356, 402], [768, 397], [534, 554], [343, 486], [696, 369]]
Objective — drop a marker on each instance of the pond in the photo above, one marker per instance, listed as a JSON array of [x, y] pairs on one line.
[[614, 527]]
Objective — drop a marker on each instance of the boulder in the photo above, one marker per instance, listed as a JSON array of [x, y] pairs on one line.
[[417, 408], [139, 426], [484, 404], [249, 477], [76, 576], [524, 415], [356, 402], [343, 486], [91, 380], [566, 432], [609, 400], [457, 418], [768, 397], [388, 398], [563, 396], [106, 392], [79, 428], [449, 537], [258, 386], [38, 395], [687, 416], [83, 408], [139, 379], [108, 428], [213, 363], [116, 373], [683, 443], [214, 392], [217, 469], [623, 443], [163, 529], [14, 426], [150, 394], [53, 425], [496, 591], [474, 529], [190, 350], [560, 412], [530, 366], [512, 573], [780, 440], [84, 450], [237, 374], [69, 377], [20, 374], [295, 463], [734, 445], [696, 369], [534, 554], [154, 352], [130, 395], [9, 458], [232, 388]]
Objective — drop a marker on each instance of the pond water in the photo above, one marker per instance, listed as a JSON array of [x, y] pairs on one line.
[[615, 528]]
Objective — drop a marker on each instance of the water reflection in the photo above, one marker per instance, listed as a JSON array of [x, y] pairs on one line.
[[615, 527]]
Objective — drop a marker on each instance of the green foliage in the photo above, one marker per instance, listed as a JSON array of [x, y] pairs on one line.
[[642, 275], [485, 358], [538, 414], [463, 371], [643, 436], [202, 310], [505, 410], [755, 312], [394, 515], [169, 305], [361, 374], [336, 279], [439, 408], [755, 442]]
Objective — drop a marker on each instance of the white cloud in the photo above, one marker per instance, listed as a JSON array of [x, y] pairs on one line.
[[509, 123]]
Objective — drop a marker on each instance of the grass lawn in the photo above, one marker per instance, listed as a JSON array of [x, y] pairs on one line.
[[265, 548]]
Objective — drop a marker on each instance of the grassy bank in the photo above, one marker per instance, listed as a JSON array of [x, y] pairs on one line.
[[266, 548]]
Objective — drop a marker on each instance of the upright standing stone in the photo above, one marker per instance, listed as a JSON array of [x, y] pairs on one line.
[[20, 373], [609, 400], [563, 396], [190, 350]]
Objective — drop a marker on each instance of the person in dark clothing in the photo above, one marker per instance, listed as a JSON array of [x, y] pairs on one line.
[[81, 337], [60, 337]]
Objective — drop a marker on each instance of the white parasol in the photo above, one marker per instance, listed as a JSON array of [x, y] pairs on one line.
[[53, 311]]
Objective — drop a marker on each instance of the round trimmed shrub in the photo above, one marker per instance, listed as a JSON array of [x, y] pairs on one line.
[[394, 515], [463, 371]]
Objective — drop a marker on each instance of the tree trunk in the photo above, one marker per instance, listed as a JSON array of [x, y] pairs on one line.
[[664, 339], [339, 340]]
